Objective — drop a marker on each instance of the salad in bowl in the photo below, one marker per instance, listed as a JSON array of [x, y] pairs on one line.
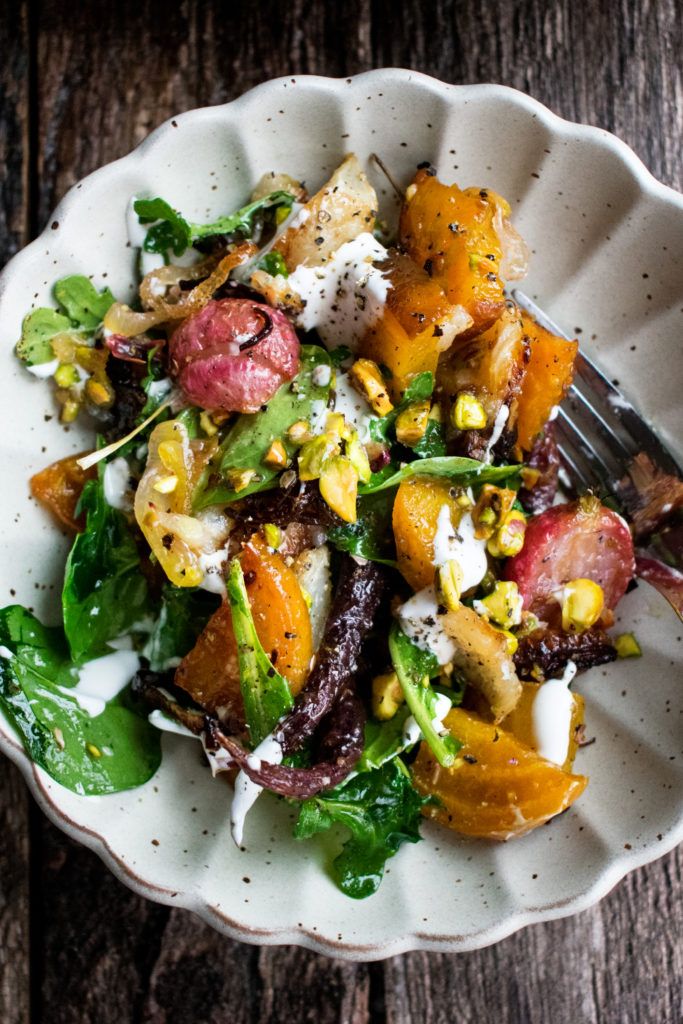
[[321, 533]]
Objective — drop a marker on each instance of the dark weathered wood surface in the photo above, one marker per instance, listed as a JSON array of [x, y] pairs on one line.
[[79, 85]]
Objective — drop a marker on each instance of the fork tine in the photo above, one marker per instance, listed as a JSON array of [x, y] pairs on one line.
[[572, 432], [578, 458]]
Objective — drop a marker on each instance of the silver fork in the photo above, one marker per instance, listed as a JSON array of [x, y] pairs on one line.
[[602, 438]]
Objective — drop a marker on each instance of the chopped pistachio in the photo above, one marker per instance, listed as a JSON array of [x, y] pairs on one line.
[[508, 540], [627, 646], [450, 577], [300, 432], [66, 375], [467, 413], [358, 457], [411, 423], [387, 696], [339, 487], [273, 535], [207, 424], [98, 392], [276, 455], [241, 478], [315, 454], [366, 377], [70, 409], [93, 750], [503, 605]]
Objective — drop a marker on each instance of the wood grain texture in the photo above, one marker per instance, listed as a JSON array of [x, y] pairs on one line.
[[14, 800], [97, 78]]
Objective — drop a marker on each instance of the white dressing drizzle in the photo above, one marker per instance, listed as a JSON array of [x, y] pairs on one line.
[[159, 720], [246, 791], [353, 407], [44, 370], [551, 716], [101, 679], [212, 566], [345, 296], [116, 483], [420, 620], [460, 544], [498, 426]]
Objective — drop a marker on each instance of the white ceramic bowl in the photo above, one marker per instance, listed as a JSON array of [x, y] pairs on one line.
[[607, 244]]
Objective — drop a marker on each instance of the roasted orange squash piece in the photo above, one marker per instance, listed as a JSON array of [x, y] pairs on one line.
[[520, 723], [416, 511], [547, 378], [210, 672], [59, 487], [450, 233], [418, 324], [498, 787]]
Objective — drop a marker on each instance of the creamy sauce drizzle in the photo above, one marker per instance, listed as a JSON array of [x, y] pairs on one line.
[[460, 544], [551, 716], [102, 679], [246, 791], [116, 484], [345, 296], [44, 370], [353, 407], [420, 620], [498, 427]]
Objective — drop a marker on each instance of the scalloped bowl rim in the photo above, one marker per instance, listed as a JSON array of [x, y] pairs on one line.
[[613, 872]]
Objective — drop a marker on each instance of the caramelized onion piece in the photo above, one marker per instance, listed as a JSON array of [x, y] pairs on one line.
[[121, 319]]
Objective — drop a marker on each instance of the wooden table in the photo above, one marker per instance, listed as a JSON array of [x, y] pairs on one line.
[[80, 84]]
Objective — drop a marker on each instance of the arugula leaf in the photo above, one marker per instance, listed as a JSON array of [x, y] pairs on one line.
[[82, 311], [419, 389], [82, 302], [383, 741], [170, 232], [371, 536], [242, 221], [339, 355], [116, 750], [184, 613], [381, 810], [433, 444], [414, 667], [105, 591], [253, 433], [265, 692], [466, 471]]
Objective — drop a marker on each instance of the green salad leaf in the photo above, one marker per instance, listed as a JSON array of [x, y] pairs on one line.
[[265, 692], [414, 667], [171, 232], [184, 613], [252, 434], [82, 310], [381, 810], [384, 741], [465, 471], [116, 750], [371, 536], [433, 444], [105, 592], [419, 389], [274, 264]]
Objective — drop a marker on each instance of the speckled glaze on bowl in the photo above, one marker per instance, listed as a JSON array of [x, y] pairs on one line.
[[607, 242]]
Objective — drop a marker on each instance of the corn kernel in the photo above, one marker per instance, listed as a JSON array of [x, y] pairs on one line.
[[207, 424], [450, 578], [387, 696], [508, 540], [273, 535], [166, 484], [411, 424], [468, 413], [276, 455], [315, 453], [339, 487], [582, 603], [240, 478], [503, 605], [367, 378], [358, 458], [66, 375], [627, 646], [299, 432]]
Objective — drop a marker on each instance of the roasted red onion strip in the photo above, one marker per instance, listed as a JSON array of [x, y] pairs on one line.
[[353, 611], [339, 750]]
